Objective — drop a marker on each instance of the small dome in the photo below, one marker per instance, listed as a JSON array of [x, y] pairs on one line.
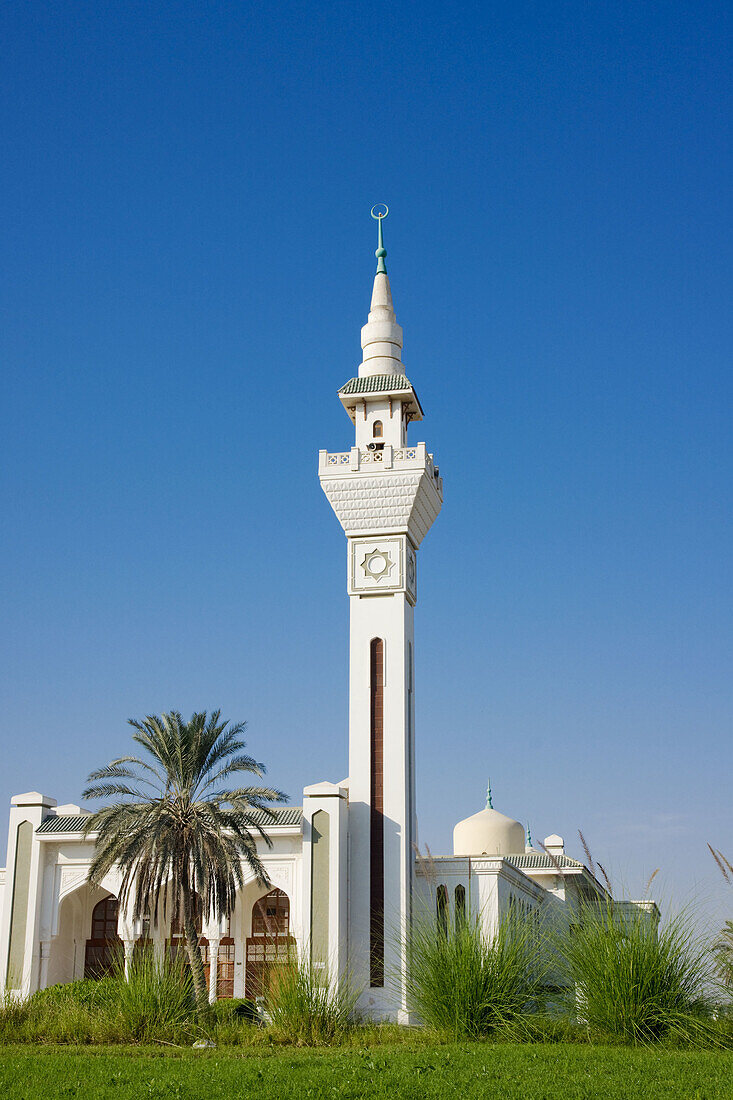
[[488, 833]]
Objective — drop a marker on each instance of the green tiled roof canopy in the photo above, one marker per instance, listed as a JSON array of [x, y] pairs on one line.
[[73, 823], [528, 860], [376, 384]]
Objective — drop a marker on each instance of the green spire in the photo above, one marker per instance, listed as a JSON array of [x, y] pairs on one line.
[[379, 212], [529, 836], [489, 803]]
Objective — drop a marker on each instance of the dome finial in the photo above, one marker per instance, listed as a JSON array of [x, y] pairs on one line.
[[380, 211], [489, 803]]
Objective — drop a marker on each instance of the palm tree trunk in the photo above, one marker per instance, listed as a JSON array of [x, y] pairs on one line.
[[193, 948]]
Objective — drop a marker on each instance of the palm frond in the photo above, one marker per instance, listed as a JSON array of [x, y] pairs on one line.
[[112, 790], [249, 797], [239, 764], [120, 769]]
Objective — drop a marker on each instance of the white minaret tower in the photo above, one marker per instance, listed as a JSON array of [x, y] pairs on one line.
[[386, 494]]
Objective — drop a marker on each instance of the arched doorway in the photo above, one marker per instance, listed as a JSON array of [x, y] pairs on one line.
[[270, 944], [104, 946]]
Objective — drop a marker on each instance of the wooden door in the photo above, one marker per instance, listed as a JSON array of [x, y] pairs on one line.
[[104, 946]]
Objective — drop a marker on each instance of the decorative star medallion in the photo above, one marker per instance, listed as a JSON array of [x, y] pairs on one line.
[[377, 564]]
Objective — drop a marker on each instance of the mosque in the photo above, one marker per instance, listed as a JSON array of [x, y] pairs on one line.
[[344, 868]]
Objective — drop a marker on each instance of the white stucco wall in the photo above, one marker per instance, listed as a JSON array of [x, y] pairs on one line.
[[60, 900]]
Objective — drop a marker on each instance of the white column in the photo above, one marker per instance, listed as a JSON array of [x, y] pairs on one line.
[[45, 960], [159, 951], [20, 912], [129, 946], [333, 800], [213, 969]]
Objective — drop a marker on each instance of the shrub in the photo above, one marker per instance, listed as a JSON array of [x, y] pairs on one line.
[[307, 1005], [466, 983], [57, 1014], [156, 1003], [89, 992], [236, 1008], [631, 981]]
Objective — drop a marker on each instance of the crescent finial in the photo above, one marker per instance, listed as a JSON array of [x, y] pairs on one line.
[[379, 212]]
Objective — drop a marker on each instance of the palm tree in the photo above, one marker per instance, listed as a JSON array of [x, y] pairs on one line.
[[174, 830]]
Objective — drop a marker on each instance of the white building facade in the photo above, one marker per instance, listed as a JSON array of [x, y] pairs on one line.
[[344, 873]]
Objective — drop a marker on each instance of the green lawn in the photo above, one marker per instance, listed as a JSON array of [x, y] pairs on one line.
[[506, 1071]]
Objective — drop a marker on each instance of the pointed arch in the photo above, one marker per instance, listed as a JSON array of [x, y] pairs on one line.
[[103, 947], [441, 907], [270, 944], [460, 903]]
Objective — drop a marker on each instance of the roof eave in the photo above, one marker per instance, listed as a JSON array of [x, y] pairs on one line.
[[352, 401], [78, 835]]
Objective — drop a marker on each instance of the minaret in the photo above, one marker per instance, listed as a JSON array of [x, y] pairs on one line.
[[386, 494]]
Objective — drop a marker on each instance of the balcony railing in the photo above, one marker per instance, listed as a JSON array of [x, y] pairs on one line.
[[388, 458]]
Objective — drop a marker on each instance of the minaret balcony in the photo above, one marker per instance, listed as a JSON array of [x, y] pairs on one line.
[[395, 489], [415, 457]]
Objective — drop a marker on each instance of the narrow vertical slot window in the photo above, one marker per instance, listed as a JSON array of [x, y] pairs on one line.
[[460, 900], [376, 837], [441, 905]]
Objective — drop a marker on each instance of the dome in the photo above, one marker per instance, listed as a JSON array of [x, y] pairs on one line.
[[488, 833]]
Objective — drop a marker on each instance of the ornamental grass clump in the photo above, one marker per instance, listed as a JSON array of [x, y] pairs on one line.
[[468, 984], [307, 1005], [632, 981], [156, 1001]]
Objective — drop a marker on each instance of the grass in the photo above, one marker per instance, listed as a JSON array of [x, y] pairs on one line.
[[405, 1072], [468, 985], [308, 1006], [633, 982]]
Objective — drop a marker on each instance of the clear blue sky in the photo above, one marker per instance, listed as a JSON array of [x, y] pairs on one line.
[[187, 261]]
